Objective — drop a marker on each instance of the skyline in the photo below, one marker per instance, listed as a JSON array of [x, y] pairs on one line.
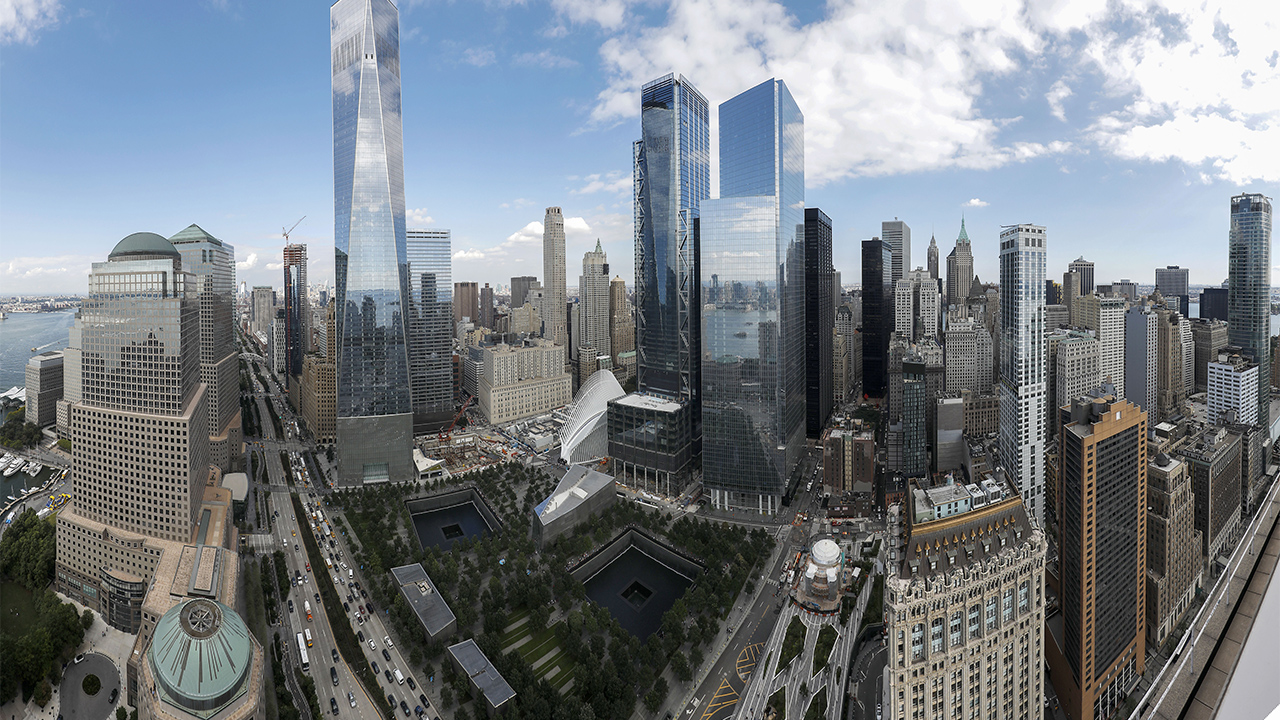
[[1032, 121]]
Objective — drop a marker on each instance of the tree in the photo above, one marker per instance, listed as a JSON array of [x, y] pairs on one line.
[[86, 619], [680, 666], [44, 692], [652, 701], [121, 713]]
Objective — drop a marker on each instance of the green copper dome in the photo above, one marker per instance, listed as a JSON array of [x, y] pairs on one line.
[[201, 655], [143, 244]]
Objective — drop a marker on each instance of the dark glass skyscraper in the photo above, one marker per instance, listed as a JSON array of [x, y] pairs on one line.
[[430, 328], [1249, 288], [819, 320], [297, 311], [753, 354], [672, 176], [374, 420], [877, 315]]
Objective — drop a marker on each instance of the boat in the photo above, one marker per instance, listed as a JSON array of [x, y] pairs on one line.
[[34, 469], [740, 334], [13, 468]]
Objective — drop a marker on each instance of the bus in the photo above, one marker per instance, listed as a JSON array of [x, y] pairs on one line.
[[307, 633], [302, 650]]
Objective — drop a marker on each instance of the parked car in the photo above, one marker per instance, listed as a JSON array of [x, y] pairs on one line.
[[374, 663], [411, 685], [360, 635], [386, 655]]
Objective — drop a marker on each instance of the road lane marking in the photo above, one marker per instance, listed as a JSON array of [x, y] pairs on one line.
[[725, 696]]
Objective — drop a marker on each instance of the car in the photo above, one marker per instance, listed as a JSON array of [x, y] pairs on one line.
[[115, 693], [360, 636], [357, 585], [292, 517], [423, 698], [391, 700], [411, 685], [405, 708], [317, 597], [386, 655], [417, 709], [333, 674], [79, 658], [387, 673], [350, 598], [346, 607], [374, 663], [363, 594], [387, 639], [360, 608], [308, 567], [369, 605], [290, 604], [373, 645], [333, 705], [335, 653], [352, 699]]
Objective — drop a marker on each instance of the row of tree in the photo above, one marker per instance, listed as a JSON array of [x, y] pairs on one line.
[[16, 432]]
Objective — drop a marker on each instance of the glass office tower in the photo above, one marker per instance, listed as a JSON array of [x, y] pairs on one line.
[[819, 320], [374, 420], [753, 354], [297, 310], [1249, 287], [672, 176], [430, 328], [877, 315]]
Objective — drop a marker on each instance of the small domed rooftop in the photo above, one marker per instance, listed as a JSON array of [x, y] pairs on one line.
[[826, 552], [201, 655], [142, 245]]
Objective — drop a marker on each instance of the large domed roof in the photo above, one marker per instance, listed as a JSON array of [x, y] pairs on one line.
[[201, 654], [826, 552], [141, 244]]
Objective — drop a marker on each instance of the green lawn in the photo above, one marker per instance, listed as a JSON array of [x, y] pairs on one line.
[[17, 606], [558, 668], [792, 643], [822, 649]]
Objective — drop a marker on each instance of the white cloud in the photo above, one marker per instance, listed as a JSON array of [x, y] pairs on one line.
[[21, 20], [892, 88], [613, 182], [59, 273], [479, 57], [248, 263], [545, 59], [517, 203], [1198, 84], [418, 218], [275, 265], [1056, 96], [469, 254], [531, 233], [609, 14], [975, 202]]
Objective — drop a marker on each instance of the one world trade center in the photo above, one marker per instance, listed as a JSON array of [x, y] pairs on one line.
[[374, 419]]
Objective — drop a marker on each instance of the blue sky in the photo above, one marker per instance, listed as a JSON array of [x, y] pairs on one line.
[[1122, 126]]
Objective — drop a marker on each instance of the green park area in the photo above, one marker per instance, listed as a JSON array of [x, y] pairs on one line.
[[505, 592]]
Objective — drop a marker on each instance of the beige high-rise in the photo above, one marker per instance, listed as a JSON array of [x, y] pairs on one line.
[[140, 432], [553, 309], [593, 301]]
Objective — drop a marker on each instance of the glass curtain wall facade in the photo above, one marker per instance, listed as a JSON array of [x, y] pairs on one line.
[[297, 311], [1249, 288], [753, 355], [819, 320], [430, 328], [374, 420], [877, 315]]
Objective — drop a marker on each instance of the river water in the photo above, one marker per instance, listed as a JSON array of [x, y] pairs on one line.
[[23, 331]]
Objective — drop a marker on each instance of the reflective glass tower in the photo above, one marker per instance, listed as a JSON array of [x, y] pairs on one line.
[[819, 320], [430, 328], [374, 419], [753, 353], [297, 311], [877, 315], [1249, 287]]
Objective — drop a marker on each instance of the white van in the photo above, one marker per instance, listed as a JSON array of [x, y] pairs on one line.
[[351, 574], [399, 677]]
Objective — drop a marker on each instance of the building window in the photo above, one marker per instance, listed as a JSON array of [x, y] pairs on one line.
[[992, 604], [917, 642], [1023, 598], [956, 623], [935, 636], [1007, 615], [975, 621]]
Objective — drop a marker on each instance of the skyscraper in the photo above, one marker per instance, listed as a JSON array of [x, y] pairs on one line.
[[1208, 336], [487, 307], [1171, 366], [593, 301], [1141, 348], [140, 433], [1022, 383], [877, 315], [898, 235], [915, 306], [553, 281], [1173, 547], [430, 327], [1249, 288], [933, 257], [1174, 282], [753, 357], [264, 309], [968, 357], [213, 263], [672, 176], [960, 268], [297, 310], [1213, 303], [1100, 652], [1071, 296], [466, 302], [1085, 269], [819, 320], [374, 423], [622, 328], [520, 289], [1105, 316]]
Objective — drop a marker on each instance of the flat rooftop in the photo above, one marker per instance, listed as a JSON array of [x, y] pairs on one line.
[[481, 672], [432, 611], [578, 484], [649, 402]]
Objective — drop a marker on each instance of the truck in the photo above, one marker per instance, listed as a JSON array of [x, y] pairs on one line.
[[307, 633], [306, 605], [328, 563]]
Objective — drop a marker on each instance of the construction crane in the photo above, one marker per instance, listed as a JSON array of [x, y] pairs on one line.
[[286, 232], [449, 432]]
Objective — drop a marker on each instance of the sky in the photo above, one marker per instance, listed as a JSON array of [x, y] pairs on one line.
[[1123, 126]]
